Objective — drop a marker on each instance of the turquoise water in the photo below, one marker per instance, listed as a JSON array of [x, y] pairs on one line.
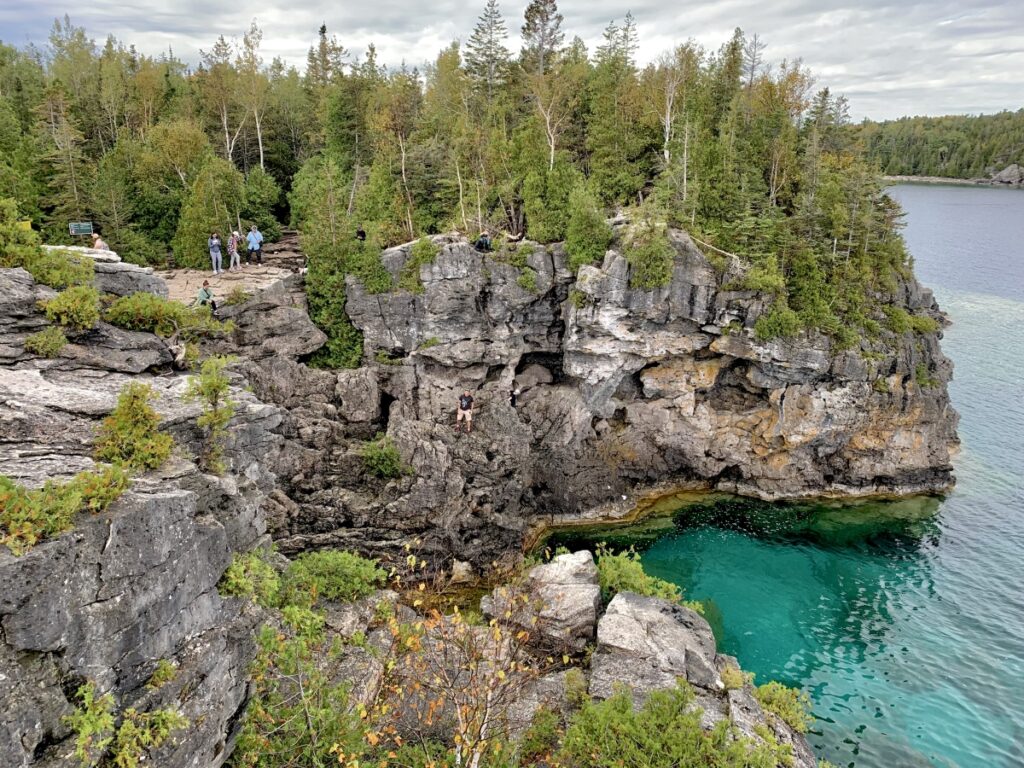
[[904, 621]]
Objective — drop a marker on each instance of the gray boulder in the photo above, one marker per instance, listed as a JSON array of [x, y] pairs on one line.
[[123, 279], [557, 603]]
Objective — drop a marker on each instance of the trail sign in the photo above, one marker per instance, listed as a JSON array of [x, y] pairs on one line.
[[80, 227]]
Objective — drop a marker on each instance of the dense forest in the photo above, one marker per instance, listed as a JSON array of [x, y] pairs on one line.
[[541, 143], [954, 146]]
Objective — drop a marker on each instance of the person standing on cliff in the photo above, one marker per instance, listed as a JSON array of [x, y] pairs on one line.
[[234, 242], [465, 412], [255, 240], [214, 245]]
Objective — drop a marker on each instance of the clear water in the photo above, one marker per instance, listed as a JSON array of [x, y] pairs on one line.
[[904, 621]]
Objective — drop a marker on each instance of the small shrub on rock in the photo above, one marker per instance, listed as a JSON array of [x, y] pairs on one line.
[[30, 515], [587, 235], [623, 572], [164, 673], [154, 314], [251, 576], [77, 308], [790, 704], [238, 295], [381, 458], [423, 252], [781, 321], [650, 256], [331, 575], [527, 280], [211, 388], [61, 269], [47, 343], [130, 435]]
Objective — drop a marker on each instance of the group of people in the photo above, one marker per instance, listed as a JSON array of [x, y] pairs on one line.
[[254, 252]]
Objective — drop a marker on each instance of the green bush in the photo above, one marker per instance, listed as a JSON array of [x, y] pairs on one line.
[[765, 277], [164, 673], [130, 435], [77, 307], [155, 314], [238, 295], [423, 252], [251, 576], [330, 575], [780, 322], [650, 256], [790, 704], [27, 516], [527, 280], [61, 269], [623, 572], [210, 388], [140, 732], [587, 235], [923, 324], [666, 731], [541, 737], [93, 724], [381, 457], [923, 378], [47, 343], [18, 244]]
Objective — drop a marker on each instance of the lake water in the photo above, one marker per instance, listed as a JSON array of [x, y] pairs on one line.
[[904, 621]]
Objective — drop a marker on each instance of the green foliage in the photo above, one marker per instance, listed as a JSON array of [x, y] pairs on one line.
[[780, 322], [238, 295], [27, 516], [140, 732], [547, 201], [164, 673], [210, 388], [923, 377], [541, 737], [623, 572], [19, 245], [587, 234], [384, 358], [900, 321], [381, 457], [164, 317], [77, 308], [881, 385], [213, 204], [93, 724], [130, 435], [330, 575], [527, 280], [47, 343], [59, 269], [578, 298], [666, 731], [576, 692], [433, 341], [650, 256], [791, 705], [261, 196], [251, 576], [735, 678], [423, 252]]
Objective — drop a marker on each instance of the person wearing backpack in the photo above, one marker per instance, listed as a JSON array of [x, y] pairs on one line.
[[255, 241]]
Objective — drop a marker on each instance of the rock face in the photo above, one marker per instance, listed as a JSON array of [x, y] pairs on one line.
[[645, 644], [559, 602], [622, 391], [122, 591], [1012, 175]]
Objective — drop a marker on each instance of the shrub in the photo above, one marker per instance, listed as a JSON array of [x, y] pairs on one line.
[[18, 244], [27, 516], [381, 457], [423, 252], [781, 321], [164, 673], [238, 295], [923, 324], [251, 576], [765, 278], [791, 705], [141, 731], [60, 269], [155, 314], [623, 572], [330, 575], [578, 298], [131, 434], [735, 678], [47, 343], [650, 256], [76, 307], [93, 724], [433, 341], [384, 358], [897, 319], [665, 731], [211, 389], [587, 235], [923, 378], [527, 280], [541, 737]]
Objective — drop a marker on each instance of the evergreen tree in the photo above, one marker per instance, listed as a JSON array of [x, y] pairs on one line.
[[213, 204], [542, 35], [487, 58]]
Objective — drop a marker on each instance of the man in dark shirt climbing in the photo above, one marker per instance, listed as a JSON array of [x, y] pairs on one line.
[[465, 412]]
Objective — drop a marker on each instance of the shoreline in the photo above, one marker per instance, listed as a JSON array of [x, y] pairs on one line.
[[948, 181]]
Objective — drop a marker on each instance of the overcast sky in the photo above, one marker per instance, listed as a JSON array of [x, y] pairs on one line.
[[890, 57]]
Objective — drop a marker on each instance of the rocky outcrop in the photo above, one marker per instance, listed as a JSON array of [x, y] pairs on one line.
[[623, 391], [1012, 175], [122, 591]]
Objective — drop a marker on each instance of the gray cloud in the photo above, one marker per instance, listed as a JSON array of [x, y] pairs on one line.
[[890, 57]]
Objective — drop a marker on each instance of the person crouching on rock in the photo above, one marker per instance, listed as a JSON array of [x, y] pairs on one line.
[[483, 243], [205, 296], [98, 243], [465, 412], [214, 245]]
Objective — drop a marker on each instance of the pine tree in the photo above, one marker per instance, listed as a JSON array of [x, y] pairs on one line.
[[64, 156], [542, 34], [487, 58]]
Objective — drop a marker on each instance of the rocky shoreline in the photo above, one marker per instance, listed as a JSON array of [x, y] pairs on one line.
[[1011, 177]]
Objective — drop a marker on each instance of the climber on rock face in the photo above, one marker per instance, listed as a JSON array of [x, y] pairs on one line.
[[465, 412]]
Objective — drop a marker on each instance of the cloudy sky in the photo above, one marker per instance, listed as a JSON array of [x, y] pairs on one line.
[[890, 57]]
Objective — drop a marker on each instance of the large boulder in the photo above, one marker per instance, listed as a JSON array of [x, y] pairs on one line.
[[274, 323], [123, 279], [557, 603]]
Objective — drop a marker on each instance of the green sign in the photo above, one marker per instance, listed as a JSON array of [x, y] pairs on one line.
[[80, 227]]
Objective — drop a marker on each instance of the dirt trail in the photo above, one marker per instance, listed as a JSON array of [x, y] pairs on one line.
[[280, 259]]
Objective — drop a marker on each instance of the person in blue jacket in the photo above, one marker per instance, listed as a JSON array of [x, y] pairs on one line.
[[255, 241]]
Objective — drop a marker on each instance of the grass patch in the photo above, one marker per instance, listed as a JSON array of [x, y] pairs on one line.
[[527, 280], [238, 295]]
